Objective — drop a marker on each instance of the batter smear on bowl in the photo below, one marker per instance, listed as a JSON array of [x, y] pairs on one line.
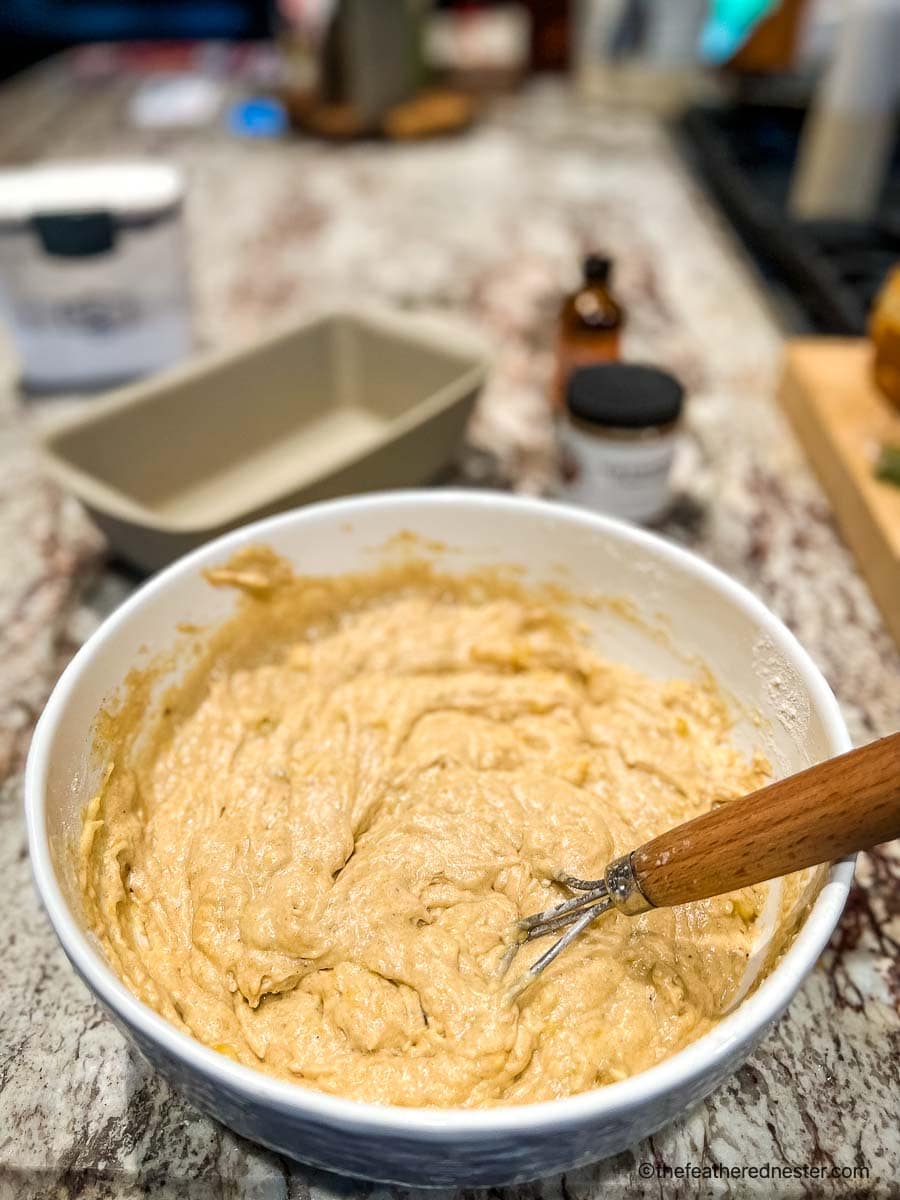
[[312, 857]]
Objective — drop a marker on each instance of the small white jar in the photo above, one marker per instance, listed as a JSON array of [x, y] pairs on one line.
[[619, 435], [93, 275]]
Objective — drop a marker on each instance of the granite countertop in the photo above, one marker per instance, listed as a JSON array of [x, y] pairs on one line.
[[483, 230]]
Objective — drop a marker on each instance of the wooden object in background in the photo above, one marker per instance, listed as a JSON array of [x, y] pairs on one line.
[[772, 46], [842, 419], [431, 113]]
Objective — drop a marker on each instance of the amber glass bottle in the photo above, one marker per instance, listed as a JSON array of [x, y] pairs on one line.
[[590, 325]]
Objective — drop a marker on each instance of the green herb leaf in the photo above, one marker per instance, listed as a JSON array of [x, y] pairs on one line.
[[888, 465]]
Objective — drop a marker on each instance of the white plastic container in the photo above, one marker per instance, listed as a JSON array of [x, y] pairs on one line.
[[619, 438], [93, 278]]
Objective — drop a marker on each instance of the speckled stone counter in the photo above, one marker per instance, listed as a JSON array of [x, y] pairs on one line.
[[484, 230]]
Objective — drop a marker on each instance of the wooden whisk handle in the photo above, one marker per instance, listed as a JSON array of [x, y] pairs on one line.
[[845, 804]]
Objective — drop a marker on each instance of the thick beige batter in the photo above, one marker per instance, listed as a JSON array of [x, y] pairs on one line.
[[314, 863]]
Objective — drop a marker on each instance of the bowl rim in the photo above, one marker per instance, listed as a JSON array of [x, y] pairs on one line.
[[739, 1028]]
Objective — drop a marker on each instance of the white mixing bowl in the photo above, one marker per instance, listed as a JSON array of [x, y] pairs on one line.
[[754, 658]]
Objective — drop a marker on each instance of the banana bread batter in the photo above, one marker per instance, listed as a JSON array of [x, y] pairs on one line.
[[313, 861]]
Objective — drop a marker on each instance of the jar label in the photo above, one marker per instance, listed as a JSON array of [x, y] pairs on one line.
[[624, 477]]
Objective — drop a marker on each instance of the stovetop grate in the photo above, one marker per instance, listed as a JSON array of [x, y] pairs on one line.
[[832, 270]]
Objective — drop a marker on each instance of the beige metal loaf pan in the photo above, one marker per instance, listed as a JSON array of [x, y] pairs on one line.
[[349, 402]]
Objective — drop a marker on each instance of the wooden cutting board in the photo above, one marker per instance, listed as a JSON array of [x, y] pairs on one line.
[[841, 418]]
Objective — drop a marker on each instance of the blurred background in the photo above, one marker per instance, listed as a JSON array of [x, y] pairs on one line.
[[689, 185]]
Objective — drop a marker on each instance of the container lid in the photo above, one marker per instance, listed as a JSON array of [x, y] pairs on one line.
[[624, 396], [123, 189]]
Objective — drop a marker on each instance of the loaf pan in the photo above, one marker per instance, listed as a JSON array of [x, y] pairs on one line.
[[349, 402]]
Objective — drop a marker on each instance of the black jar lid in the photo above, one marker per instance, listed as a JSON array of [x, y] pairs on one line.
[[624, 396]]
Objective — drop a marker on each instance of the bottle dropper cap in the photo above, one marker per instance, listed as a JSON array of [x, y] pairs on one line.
[[597, 268]]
